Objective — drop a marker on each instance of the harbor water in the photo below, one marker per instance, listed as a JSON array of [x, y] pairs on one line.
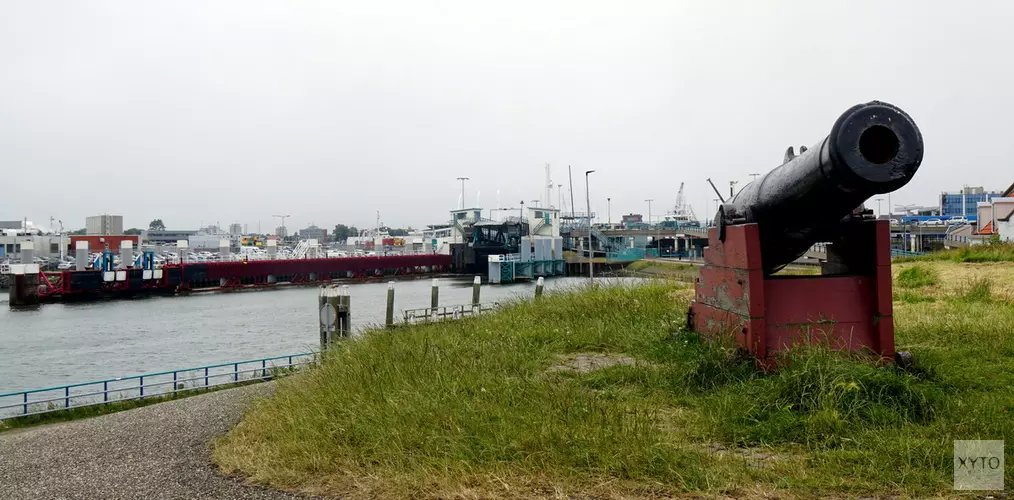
[[60, 344]]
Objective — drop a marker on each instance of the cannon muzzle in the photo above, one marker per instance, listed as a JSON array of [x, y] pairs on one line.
[[873, 148]]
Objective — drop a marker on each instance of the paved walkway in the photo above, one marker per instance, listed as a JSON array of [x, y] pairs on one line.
[[155, 452]]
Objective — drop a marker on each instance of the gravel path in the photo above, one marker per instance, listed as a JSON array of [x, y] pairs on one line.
[[158, 451]]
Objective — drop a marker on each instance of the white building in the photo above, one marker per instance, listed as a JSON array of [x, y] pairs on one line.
[[544, 222], [202, 241], [46, 246], [990, 216], [104, 225]]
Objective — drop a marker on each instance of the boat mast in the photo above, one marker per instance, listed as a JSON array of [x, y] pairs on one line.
[[570, 175]]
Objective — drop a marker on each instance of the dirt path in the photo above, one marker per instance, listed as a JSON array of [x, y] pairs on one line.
[[154, 452]]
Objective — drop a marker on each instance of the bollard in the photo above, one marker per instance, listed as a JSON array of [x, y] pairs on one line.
[[272, 249], [539, 285], [27, 252], [435, 294], [81, 255], [390, 304], [24, 289], [476, 283], [182, 247], [126, 254], [224, 246]]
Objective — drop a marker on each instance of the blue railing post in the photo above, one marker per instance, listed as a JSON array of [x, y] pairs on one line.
[[26, 402]]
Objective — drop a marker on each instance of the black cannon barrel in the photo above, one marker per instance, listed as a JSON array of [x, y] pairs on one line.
[[873, 148]]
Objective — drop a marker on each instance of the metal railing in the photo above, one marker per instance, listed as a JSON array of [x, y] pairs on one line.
[[626, 255], [64, 397], [428, 314], [895, 252]]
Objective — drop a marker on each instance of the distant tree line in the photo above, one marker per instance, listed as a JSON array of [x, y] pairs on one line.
[[342, 232]]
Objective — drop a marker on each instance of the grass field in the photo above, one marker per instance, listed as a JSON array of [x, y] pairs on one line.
[[601, 394]]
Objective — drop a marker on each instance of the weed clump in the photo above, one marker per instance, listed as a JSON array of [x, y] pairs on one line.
[[917, 277], [979, 290]]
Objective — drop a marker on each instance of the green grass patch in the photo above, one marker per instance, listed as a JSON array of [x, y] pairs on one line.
[[526, 402], [916, 276], [988, 252], [663, 269], [911, 296]]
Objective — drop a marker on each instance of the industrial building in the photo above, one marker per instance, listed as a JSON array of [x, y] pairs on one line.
[[632, 219], [166, 237], [964, 202], [313, 233], [104, 225], [46, 246], [202, 241], [100, 243]]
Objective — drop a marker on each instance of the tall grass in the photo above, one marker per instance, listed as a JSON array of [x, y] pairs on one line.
[[471, 408]]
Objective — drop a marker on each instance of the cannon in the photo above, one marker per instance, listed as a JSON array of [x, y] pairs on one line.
[[814, 197]]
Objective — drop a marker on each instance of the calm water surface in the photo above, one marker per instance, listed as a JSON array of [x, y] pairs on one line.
[[59, 344]]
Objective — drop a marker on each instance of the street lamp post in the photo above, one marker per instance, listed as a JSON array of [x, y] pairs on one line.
[[283, 217], [649, 200], [463, 179], [587, 199], [609, 211]]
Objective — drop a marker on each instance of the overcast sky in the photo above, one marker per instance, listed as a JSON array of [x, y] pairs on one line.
[[232, 111]]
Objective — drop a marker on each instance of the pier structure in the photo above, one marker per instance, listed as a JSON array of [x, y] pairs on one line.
[[539, 254], [141, 276]]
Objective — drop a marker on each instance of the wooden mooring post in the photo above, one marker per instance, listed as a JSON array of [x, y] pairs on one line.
[[435, 294], [390, 305], [335, 306], [476, 284]]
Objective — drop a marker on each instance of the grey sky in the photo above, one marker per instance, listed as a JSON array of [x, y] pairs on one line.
[[236, 110]]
